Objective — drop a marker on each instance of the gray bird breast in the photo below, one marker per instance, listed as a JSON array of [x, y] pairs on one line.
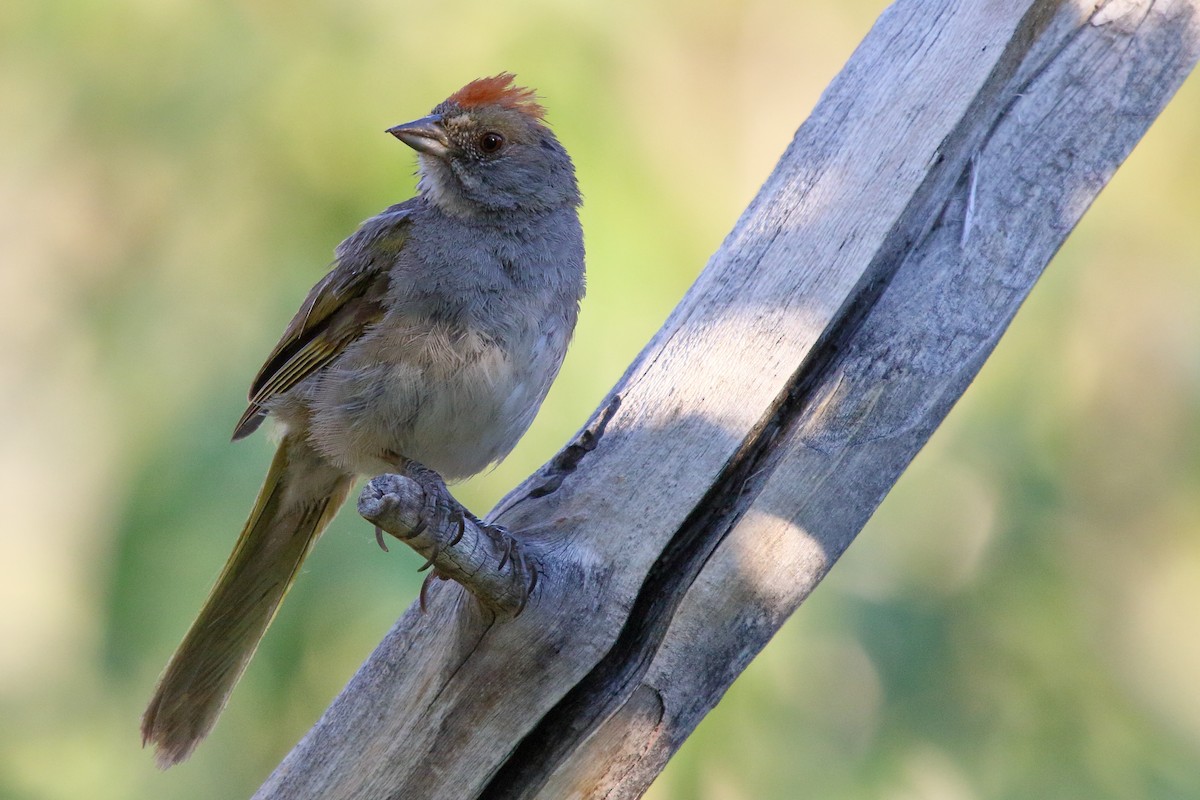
[[480, 313]]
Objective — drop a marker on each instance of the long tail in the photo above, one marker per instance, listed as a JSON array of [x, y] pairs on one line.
[[298, 499]]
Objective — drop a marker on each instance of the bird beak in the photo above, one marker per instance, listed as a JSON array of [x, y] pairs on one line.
[[425, 135]]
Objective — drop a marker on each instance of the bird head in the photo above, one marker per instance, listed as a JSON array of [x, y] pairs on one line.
[[485, 149]]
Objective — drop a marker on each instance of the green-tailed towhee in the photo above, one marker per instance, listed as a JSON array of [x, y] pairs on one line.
[[432, 341]]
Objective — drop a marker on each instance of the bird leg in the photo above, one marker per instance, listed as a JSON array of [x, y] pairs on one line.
[[440, 510]]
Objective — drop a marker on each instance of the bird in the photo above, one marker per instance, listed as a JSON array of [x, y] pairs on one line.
[[427, 348]]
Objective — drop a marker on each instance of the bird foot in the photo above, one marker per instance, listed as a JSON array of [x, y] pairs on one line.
[[513, 555], [440, 510], [446, 520]]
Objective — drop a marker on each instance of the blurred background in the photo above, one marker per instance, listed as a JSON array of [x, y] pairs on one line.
[[1020, 620]]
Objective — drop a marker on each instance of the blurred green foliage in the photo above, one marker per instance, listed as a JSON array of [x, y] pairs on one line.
[[1019, 620]]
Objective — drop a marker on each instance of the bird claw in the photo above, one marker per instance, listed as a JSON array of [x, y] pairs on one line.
[[386, 503], [513, 555], [437, 551], [423, 596], [462, 528], [440, 510], [506, 540]]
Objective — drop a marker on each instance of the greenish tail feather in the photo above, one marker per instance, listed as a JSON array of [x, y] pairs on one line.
[[299, 497]]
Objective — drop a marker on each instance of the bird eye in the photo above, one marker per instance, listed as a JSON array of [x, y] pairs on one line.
[[491, 142]]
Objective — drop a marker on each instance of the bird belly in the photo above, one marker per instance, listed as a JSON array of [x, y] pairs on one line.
[[454, 401]]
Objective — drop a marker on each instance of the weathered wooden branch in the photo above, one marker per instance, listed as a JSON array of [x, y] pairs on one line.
[[824, 342], [457, 548]]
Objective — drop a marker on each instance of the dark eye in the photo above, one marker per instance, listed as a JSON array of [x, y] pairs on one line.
[[491, 142]]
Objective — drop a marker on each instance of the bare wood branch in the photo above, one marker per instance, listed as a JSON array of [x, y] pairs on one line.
[[457, 547], [827, 338]]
